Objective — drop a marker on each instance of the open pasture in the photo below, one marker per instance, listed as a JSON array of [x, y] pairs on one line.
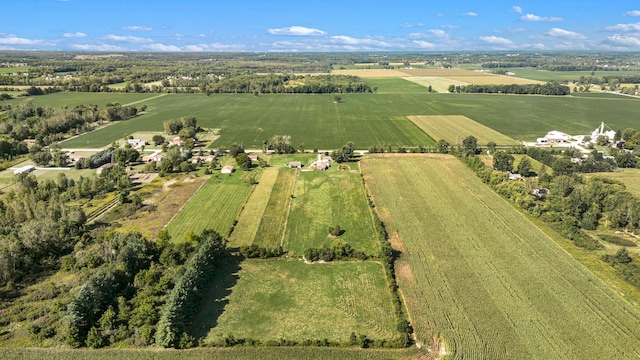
[[215, 206], [454, 128], [273, 221], [480, 276], [274, 299], [391, 85], [323, 199]]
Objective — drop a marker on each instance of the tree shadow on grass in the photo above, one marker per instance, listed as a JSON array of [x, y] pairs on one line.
[[216, 296]]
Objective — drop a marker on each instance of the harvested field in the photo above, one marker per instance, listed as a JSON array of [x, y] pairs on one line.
[[437, 83], [471, 257], [370, 73], [454, 128], [249, 219], [470, 77], [276, 299]]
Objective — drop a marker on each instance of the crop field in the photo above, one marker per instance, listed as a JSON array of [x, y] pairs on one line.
[[365, 119], [483, 278], [545, 75], [324, 199], [274, 299], [454, 129], [215, 206], [72, 99], [249, 219], [370, 73], [274, 218], [469, 77], [629, 177]]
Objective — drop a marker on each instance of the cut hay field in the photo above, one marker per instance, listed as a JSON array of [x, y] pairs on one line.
[[454, 128], [469, 77], [324, 199], [249, 219], [215, 206], [274, 299], [273, 221], [480, 276]]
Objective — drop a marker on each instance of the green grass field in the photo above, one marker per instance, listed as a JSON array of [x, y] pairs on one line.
[[483, 278], [273, 221], [72, 99], [215, 206], [324, 199], [454, 129], [392, 85], [273, 299]]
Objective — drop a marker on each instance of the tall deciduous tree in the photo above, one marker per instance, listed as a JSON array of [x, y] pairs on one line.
[[502, 161]]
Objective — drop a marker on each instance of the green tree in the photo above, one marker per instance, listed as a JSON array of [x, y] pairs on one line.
[[626, 160], [158, 140], [502, 161], [491, 146], [628, 133], [442, 146], [243, 161], [40, 155], [524, 167], [470, 143]]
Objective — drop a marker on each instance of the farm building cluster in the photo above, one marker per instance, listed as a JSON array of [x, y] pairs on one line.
[[556, 137]]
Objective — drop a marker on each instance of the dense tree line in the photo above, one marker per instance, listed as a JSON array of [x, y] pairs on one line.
[[550, 88]]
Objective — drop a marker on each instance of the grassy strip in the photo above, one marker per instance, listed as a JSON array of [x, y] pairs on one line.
[[248, 221], [274, 219], [239, 353]]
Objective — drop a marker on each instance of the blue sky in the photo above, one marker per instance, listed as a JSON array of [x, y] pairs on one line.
[[312, 25]]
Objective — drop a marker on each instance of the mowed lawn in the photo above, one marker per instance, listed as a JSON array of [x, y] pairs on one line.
[[215, 206], [274, 299], [324, 199], [454, 129], [480, 276]]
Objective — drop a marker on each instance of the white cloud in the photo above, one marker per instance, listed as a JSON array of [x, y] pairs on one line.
[[75, 35], [565, 34], [433, 33], [297, 31], [536, 18], [129, 39], [517, 9], [98, 47], [624, 40], [162, 47], [14, 40], [214, 47], [424, 44], [410, 25], [137, 28], [449, 26], [470, 13], [348, 40], [633, 13], [624, 27], [496, 40]]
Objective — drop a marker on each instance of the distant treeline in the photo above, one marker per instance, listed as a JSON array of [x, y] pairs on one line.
[[279, 84], [548, 67], [550, 88]]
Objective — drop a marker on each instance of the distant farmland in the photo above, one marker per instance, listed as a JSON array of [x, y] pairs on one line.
[[481, 277], [454, 129]]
